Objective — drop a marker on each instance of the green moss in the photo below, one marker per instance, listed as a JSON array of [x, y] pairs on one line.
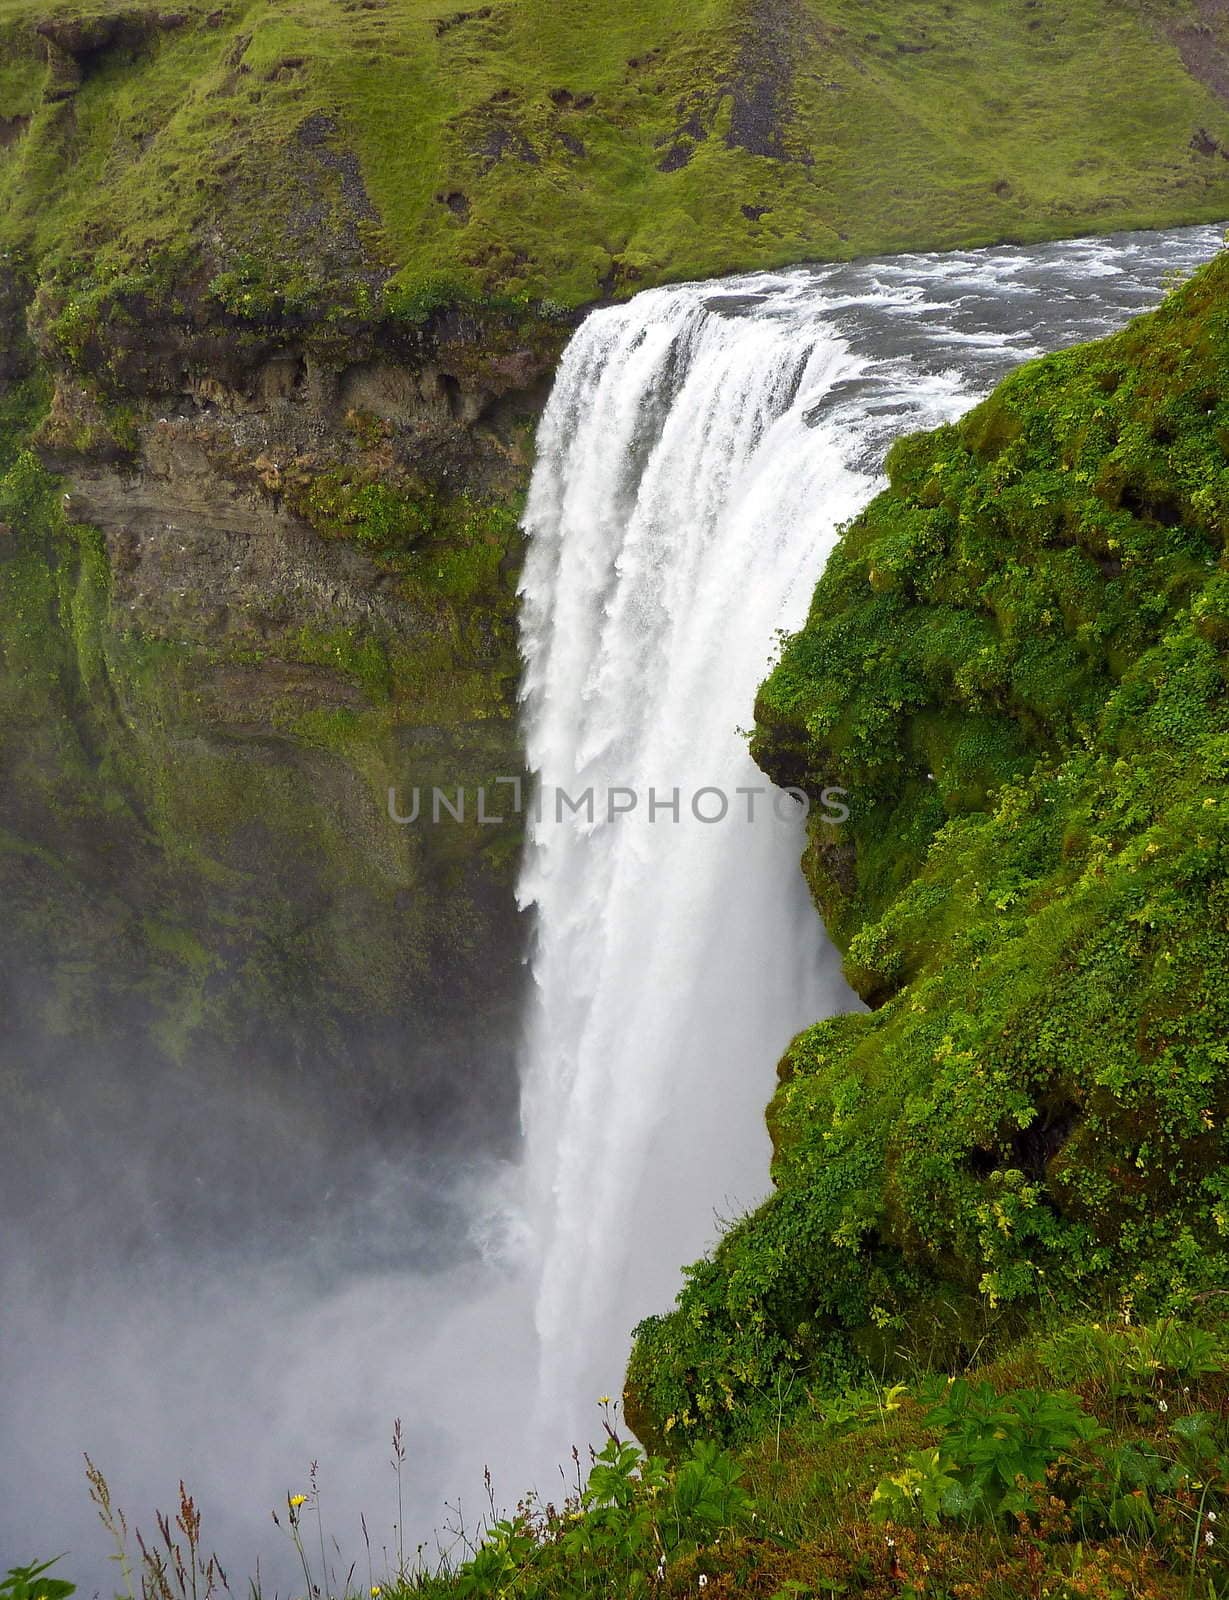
[[1015, 663]]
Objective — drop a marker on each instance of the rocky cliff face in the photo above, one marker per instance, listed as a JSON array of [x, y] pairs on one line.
[[251, 580]]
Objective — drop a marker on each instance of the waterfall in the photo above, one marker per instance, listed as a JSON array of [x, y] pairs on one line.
[[680, 514], [700, 451], [702, 446]]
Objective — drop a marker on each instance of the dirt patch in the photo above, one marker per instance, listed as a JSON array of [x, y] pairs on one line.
[[492, 132], [692, 129], [458, 19], [1204, 45], [457, 203], [503, 139], [565, 100], [315, 135], [774, 33], [1203, 144], [12, 128]]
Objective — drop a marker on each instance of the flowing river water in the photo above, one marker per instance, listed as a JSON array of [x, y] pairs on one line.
[[700, 451]]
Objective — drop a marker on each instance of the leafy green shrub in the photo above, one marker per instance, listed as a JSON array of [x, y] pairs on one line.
[[377, 516], [257, 289], [418, 301], [31, 1583], [993, 1451]]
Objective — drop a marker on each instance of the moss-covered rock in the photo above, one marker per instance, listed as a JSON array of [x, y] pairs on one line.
[[1015, 662], [207, 692]]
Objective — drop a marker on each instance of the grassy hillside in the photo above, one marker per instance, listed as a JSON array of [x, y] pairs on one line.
[[312, 149], [1016, 664]]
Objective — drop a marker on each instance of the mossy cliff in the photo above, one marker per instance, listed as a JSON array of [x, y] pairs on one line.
[[248, 584], [1016, 663]]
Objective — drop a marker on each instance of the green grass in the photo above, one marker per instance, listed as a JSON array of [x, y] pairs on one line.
[[456, 151]]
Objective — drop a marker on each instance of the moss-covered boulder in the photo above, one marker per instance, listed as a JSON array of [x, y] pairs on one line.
[[1016, 664]]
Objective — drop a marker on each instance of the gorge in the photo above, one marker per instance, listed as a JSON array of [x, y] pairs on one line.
[[700, 450]]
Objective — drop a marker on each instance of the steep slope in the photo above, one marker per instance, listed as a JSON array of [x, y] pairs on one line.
[[312, 149], [1015, 662]]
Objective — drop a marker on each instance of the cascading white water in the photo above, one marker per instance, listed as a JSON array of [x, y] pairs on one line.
[[680, 514], [702, 446]]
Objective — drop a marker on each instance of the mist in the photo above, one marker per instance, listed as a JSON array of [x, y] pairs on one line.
[[227, 1282]]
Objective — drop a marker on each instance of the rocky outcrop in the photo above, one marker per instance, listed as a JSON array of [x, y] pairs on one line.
[[74, 45], [256, 578]]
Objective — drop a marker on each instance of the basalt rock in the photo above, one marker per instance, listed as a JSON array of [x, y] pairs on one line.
[[239, 650]]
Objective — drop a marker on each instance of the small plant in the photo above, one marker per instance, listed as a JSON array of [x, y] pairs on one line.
[[31, 1583], [993, 1451], [923, 1491], [172, 1567]]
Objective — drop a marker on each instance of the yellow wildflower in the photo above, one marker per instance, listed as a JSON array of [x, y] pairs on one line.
[[296, 1500]]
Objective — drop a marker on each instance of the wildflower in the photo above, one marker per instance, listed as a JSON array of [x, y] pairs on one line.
[[294, 1501], [603, 1400], [1162, 1406], [376, 1591], [1209, 1537], [1211, 1516]]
